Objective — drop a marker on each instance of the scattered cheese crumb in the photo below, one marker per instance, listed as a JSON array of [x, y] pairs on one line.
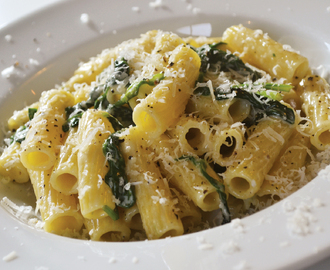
[[196, 10], [229, 248], [135, 260], [288, 206], [300, 222], [8, 38], [156, 4], [33, 62], [136, 9], [237, 225], [84, 18], [242, 266], [11, 256], [206, 246], [112, 260], [317, 203], [7, 72], [284, 244]]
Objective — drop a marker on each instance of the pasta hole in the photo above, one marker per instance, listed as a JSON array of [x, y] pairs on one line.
[[227, 148], [325, 137], [66, 181], [136, 222], [240, 184], [169, 233], [239, 110], [210, 198], [112, 237], [37, 158], [194, 137]]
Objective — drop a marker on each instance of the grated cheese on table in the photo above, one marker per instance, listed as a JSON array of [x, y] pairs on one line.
[[9, 257]]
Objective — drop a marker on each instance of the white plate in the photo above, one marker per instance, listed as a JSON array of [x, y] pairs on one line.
[[58, 40]]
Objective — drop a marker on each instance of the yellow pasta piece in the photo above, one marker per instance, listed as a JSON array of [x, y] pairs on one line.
[[106, 229], [263, 52], [59, 212], [65, 171], [161, 108], [88, 71], [245, 177], [222, 111], [132, 218], [314, 92], [192, 134], [224, 145], [184, 175], [11, 166], [187, 211], [19, 118], [281, 177], [153, 196], [94, 128], [45, 136]]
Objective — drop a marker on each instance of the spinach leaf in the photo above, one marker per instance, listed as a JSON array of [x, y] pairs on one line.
[[133, 89], [116, 177], [260, 105], [98, 96]]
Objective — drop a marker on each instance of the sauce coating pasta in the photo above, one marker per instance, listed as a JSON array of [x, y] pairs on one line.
[[162, 136]]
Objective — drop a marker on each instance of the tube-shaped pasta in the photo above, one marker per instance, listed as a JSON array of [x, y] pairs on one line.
[[19, 118], [245, 177], [11, 166], [161, 108], [315, 92], [45, 136], [88, 71], [65, 171], [187, 211], [224, 145], [59, 212], [132, 218], [192, 134], [286, 168], [263, 52], [184, 175], [94, 128], [107, 229], [215, 112], [153, 196]]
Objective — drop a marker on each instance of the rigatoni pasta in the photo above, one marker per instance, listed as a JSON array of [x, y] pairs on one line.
[[164, 135]]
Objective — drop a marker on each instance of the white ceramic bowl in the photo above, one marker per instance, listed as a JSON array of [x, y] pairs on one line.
[[49, 44]]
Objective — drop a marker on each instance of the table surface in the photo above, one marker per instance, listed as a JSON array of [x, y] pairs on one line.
[[13, 10]]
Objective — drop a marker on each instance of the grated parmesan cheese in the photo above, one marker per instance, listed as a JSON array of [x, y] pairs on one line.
[[84, 18], [8, 38], [9, 257]]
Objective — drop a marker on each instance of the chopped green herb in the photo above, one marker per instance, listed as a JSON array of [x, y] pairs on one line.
[[31, 112], [113, 213]]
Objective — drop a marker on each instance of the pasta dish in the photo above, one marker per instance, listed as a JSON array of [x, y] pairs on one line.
[[162, 136]]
